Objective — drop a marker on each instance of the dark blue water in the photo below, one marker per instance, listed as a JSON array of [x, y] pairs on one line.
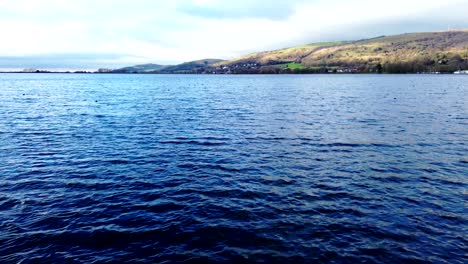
[[275, 169]]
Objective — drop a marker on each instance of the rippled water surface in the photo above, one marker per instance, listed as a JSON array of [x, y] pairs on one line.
[[275, 169]]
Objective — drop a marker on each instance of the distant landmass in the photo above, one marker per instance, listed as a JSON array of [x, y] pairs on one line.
[[140, 68], [429, 52], [444, 52]]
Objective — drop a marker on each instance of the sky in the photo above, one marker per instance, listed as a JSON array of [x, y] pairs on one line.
[[91, 34]]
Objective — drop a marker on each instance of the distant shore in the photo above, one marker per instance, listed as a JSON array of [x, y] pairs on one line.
[[242, 73]]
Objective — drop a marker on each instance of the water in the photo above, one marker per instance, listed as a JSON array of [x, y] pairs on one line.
[[275, 169]]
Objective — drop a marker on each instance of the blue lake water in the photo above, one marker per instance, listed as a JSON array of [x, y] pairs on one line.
[[244, 169]]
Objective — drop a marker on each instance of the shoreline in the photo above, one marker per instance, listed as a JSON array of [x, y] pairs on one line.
[[289, 73]]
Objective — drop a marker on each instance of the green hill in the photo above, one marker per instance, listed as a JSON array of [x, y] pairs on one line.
[[198, 66], [415, 52], [143, 68]]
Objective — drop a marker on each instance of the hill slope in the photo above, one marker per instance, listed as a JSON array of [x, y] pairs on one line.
[[143, 68], [415, 52], [198, 66]]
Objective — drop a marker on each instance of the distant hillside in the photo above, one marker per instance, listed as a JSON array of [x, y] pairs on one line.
[[445, 51], [294, 54], [143, 68], [198, 66], [416, 52]]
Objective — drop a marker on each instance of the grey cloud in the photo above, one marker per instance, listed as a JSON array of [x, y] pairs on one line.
[[275, 10]]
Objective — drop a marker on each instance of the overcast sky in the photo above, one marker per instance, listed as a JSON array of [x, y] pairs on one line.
[[88, 34]]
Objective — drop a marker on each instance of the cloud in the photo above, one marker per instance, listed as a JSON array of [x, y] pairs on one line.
[[182, 30], [240, 9]]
